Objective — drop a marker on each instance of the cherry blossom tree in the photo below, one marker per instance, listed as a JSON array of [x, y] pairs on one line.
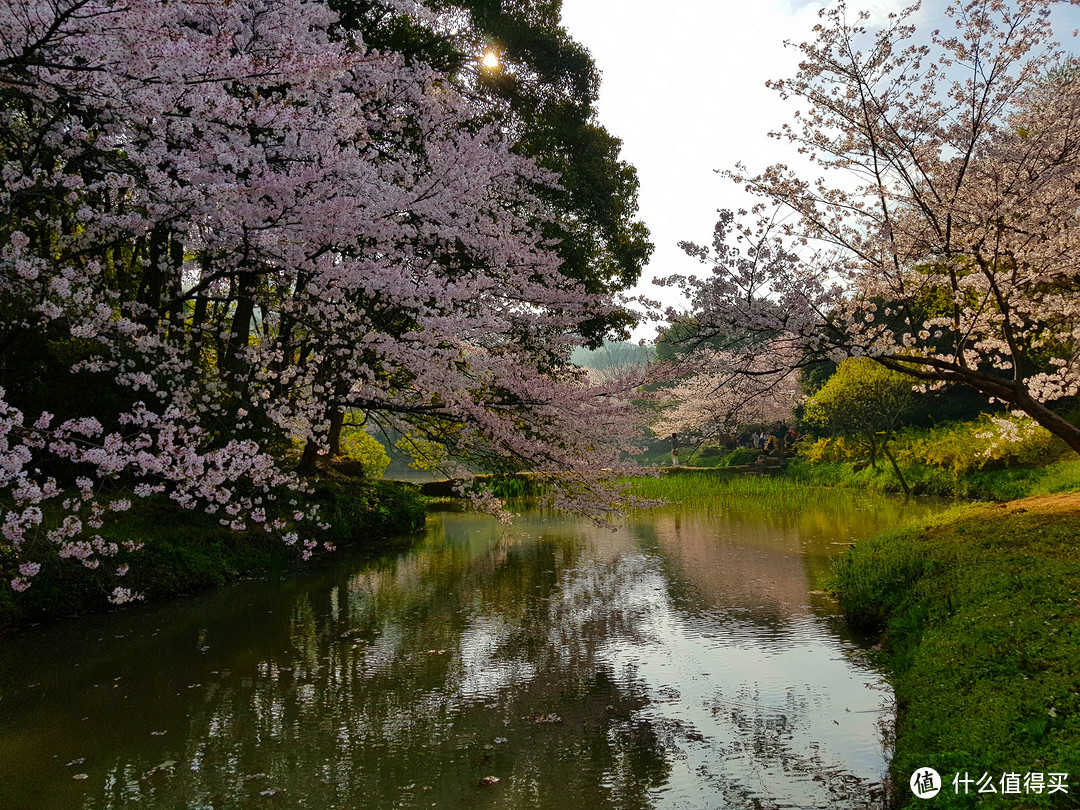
[[230, 223], [942, 238], [721, 391], [517, 60]]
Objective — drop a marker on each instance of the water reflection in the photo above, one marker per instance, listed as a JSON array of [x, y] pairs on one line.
[[679, 660]]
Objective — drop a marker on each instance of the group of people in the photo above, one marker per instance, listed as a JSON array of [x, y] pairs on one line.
[[777, 440], [774, 442]]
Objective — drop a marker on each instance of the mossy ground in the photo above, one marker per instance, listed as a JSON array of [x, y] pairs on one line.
[[187, 550], [980, 614]]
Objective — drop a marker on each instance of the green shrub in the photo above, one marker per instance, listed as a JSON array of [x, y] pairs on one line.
[[424, 454], [188, 550], [740, 456], [988, 443], [991, 458], [358, 510], [359, 446]]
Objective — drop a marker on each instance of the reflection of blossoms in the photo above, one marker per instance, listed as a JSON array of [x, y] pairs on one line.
[[122, 596]]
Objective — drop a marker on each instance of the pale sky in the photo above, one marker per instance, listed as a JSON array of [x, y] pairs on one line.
[[683, 86]]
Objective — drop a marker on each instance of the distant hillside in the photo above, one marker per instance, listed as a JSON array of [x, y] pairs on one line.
[[614, 356]]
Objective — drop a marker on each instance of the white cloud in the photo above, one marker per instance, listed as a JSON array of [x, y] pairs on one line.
[[684, 89]]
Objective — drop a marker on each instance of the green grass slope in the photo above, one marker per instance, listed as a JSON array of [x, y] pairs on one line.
[[980, 611]]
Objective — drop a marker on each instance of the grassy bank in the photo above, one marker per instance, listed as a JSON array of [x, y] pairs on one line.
[[925, 479], [802, 476], [997, 458], [980, 614], [187, 550]]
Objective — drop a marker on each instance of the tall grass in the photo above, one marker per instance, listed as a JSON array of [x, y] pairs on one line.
[[702, 489]]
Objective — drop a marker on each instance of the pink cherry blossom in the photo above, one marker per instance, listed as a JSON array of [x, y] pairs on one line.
[[308, 230], [941, 238]]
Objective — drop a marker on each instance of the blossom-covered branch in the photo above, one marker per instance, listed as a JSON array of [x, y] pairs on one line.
[[224, 225], [942, 239]]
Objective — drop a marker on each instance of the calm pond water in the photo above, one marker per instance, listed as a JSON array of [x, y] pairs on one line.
[[679, 661]]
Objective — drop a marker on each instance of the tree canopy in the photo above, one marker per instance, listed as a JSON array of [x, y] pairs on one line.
[[542, 93], [227, 224], [865, 401], [942, 238]]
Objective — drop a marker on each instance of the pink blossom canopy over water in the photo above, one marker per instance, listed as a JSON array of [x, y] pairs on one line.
[[253, 222]]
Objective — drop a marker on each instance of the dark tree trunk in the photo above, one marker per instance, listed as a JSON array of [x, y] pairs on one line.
[[337, 421], [198, 317], [1060, 427], [150, 287], [309, 459], [176, 284], [895, 466], [1012, 392], [235, 364]]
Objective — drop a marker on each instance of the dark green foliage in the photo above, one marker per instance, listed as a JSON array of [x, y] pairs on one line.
[[358, 512], [187, 550], [814, 375], [954, 403], [36, 376], [383, 31], [740, 456], [980, 609], [182, 551]]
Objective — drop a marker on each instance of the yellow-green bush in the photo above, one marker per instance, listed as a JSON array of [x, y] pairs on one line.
[[830, 450], [986, 443], [361, 447], [424, 453], [958, 448]]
